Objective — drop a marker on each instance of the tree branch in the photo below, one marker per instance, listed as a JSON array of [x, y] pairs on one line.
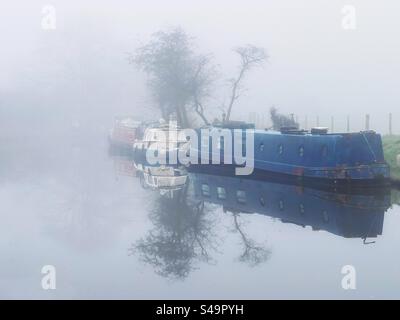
[[250, 56]]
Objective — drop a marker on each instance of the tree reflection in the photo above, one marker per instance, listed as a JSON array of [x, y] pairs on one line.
[[253, 253], [181, 235]]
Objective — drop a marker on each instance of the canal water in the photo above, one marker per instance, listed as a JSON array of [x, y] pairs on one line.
[[66, 202]]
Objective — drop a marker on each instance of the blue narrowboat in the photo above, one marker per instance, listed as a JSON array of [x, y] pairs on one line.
[[337, 158]]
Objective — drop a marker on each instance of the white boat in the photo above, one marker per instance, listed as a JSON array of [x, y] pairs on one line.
[[165, 141], [163, 178]]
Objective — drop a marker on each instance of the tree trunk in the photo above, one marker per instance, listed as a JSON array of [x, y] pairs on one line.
[[184, 120]]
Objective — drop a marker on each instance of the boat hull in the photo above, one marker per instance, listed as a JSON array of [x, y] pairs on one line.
[[338, 159], [317, 182]]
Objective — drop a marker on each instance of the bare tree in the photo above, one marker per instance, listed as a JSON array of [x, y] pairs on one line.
[[182, 235], [253, 253], [201, 82], [182, 80], [179, 79], [250, 57]]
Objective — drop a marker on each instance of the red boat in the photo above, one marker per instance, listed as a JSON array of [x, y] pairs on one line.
[[124, 133]]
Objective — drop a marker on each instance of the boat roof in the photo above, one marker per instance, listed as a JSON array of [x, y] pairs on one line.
[[308, 134]]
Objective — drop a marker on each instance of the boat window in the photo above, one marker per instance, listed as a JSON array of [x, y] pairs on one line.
[[281, 205], [221, 193], [205, 190], [280, 149], [325, 216], [262, 201], [262, 146], [241, 196], [324, 151], [301, 208], [301, 151]]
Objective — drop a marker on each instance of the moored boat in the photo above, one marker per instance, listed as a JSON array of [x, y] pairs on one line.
[[159, 146], [124, 133], [163, 178], [337, 158]]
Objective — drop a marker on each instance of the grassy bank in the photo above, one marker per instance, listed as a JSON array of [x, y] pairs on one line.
[[391, 148], [395, 198]]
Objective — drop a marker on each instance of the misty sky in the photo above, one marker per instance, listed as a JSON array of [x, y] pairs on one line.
[[315, 65]]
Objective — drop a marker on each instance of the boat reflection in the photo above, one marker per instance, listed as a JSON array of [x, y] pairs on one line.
[[124, 166], [165, 179], [349, 215], [186, 225]]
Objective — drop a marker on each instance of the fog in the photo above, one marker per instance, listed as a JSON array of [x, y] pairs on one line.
[[63, 203], [315, 66]]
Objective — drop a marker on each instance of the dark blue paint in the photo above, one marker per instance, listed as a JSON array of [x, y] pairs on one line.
[[344, 157], [359, 215]]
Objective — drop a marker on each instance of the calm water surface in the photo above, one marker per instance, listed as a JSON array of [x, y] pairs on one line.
[[66, 202]]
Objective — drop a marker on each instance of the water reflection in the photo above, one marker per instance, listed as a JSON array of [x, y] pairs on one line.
[[182, 234], [350, 215], [184, 231], [166, 180], [253, 253]]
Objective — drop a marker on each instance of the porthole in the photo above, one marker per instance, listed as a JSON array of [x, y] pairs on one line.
[[221, 193], [280, 149], [241, 196], [262, 201], [281, 205], [325, 216], [301, 151], [205, 190], [261, 146], [302, 210]]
